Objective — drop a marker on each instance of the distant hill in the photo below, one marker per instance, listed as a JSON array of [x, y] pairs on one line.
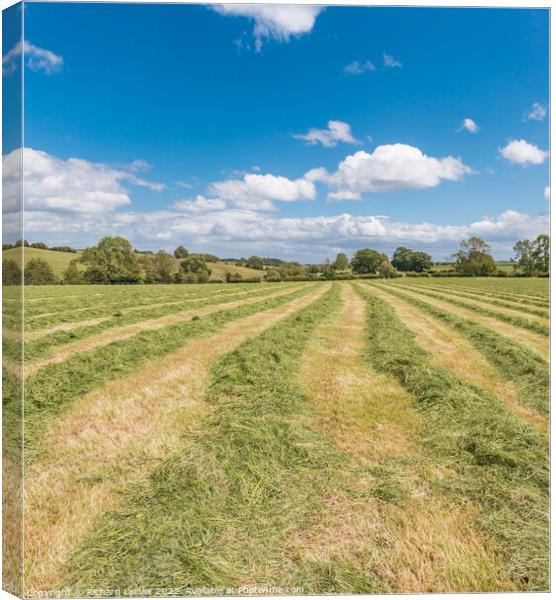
[[59, 262]]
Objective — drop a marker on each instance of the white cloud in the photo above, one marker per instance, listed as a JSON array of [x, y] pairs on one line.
[[131, 178], [200, 204], [337, 131], [184, 184], [37, 59], [73, 185], [390, 61], [469, 125], [259, 192], [274, 21], [140, 165], [241, 232], [536, 113], [523, 153], [547, 193], [390, 167], [358, 68], [343, 195]]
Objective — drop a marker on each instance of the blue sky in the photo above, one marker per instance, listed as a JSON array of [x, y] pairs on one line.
[[192, 124]]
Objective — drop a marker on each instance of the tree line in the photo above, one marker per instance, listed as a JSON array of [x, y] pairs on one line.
[[114, 261]]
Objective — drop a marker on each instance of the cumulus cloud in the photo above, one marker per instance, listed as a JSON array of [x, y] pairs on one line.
[[235, 231], [259, 192], [547, 193], [536, 113], [73, 185], [469, 125], [358, 68], [199, 205], [343, 195], [37, 59], [274, 21], [337, 131], [391, 62], [523, 153], [390, 167]]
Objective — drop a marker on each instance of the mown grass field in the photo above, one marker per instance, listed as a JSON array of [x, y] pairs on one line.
[[333, 437]]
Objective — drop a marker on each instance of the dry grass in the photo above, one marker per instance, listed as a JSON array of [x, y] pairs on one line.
[[127, 331], [451, 350], [11, 526], [422, 543], [536, 342], [513, 312], [116, 435]]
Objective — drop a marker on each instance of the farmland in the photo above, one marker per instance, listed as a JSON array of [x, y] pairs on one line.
[[338, 437], [59, 261]]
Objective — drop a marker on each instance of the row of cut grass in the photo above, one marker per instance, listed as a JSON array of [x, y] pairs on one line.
[[54, 387], [533, 287], [498, 461], [44, 346], [480, 292], [142, 297], [520, 322], [250, 475], [527, 371], [529, 310]]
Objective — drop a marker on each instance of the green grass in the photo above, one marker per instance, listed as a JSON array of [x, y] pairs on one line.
[[54, 387], [493, 459], [59, 261], [528, 310], [44, 346], [506, 318], [248, 477], [482, 287], [536, 287], [220, 269], [526, 370]]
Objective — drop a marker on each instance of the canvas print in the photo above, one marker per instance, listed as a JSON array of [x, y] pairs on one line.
[[275, 299]]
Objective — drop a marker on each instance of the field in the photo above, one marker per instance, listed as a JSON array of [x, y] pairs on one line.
[[59, 262], [330, 437]]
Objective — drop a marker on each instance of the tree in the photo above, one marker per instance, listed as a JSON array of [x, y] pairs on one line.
[[406, 259], [422, 261], [38, 272], [203, 276], [523, 255], [386, 270], [72, 275], [291, 269], [194, 263], [111, 261], [341, 263], [402, 259], [367, 261], [255, 262], [40, 245], [473, 258], [541, 253], [63, 249], [164, 265], [148, 267], [11, 273], [181, 252], [273, 275]]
